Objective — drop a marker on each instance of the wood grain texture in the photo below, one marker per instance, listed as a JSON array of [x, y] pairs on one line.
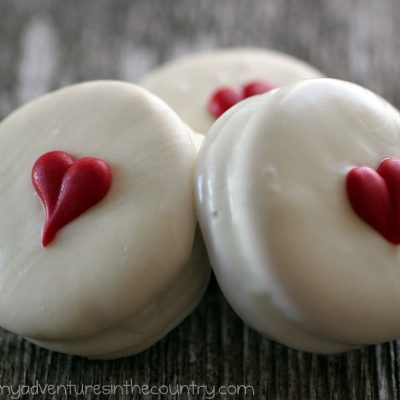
[[45, 44]]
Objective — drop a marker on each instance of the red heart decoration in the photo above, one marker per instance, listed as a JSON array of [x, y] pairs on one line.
[[223, 99], [226, 97], [375, 197], [68, 187]]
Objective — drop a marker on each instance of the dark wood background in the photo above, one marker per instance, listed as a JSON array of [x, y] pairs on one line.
[[45, 44]]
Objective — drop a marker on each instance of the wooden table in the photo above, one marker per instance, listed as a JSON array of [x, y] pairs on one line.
[[46, 44]]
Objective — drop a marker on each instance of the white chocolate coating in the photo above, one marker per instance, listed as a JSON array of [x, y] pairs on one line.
[[187, 84], [291, 256], [122, 275], [197, 139]]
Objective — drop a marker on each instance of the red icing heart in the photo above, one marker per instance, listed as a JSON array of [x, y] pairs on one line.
[[257, 87], [68, 187], [375, 197], [223, 99], [226, 97]]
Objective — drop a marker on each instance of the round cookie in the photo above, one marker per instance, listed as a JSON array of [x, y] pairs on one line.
[[188, 84], [293, 191], [121, 275]]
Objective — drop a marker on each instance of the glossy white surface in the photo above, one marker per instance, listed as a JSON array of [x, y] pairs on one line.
[[291, 256], [122, 275]]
